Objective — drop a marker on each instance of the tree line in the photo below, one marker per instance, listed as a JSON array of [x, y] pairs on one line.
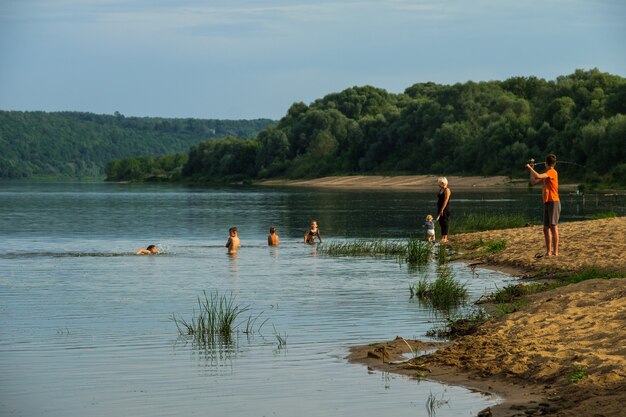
[[76, 144], [471, 128]]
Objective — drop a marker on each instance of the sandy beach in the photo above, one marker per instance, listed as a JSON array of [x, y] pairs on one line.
[[530, 357]]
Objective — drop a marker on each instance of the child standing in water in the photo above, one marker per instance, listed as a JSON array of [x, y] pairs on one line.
[[313, 233], [429, 226], [272, 238], [233, 240]]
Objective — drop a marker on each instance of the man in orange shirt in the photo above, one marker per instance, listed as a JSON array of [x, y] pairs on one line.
[[551, 203]]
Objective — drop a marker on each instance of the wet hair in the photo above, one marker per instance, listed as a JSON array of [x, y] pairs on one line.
[[551, 160], [151, 247], [232, 229], [442, 180], [272, 230]]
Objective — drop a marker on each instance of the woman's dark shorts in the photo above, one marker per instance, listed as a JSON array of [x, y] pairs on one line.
[[551, 213]]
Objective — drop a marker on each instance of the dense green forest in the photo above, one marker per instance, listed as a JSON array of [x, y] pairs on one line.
[[73, 144], [485, 128]]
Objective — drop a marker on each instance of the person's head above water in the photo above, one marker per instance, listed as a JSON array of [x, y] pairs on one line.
[[151, 249]]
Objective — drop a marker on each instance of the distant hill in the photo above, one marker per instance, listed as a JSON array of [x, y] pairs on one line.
[[76, 144]]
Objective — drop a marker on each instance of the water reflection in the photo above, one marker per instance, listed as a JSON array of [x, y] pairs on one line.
[[216, 352]]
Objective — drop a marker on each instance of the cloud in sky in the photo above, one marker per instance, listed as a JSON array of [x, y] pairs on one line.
[[249, 59]]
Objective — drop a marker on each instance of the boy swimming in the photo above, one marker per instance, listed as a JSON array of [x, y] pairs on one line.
[[150, 250]]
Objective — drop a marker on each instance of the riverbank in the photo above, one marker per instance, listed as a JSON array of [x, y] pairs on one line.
[[563, 353], [407, 182]]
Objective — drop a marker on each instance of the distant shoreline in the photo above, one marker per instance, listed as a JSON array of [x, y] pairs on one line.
[[402, 182]]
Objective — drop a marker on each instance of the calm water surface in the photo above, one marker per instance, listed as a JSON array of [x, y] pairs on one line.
[[85, 325]]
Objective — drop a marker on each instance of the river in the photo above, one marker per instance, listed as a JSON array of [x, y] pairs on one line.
[[86, 329]]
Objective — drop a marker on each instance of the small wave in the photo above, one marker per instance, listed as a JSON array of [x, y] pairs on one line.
[[20, 255]]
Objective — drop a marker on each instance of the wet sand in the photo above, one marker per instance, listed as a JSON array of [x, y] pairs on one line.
[[530, 357]]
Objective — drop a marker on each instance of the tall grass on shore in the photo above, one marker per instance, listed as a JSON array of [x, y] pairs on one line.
[[215, 320], [455, 327], [443, 293], [605, 215], [481, 222], [491, 246], [512, 293]]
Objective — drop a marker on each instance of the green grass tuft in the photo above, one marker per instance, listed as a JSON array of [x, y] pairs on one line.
[[215, 320], [489, 246], [482, 222], [495, 246], [607, 215], [593, 273], [579, 373], [443, 293]]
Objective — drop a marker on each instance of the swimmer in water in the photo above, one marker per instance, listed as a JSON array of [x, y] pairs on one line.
[[313, 233], [150, 250], [233, 240], [272, 238]]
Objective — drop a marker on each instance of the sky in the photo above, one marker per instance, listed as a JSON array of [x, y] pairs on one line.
[[248, 59]]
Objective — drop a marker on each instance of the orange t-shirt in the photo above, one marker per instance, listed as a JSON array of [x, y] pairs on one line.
[[551, 186]]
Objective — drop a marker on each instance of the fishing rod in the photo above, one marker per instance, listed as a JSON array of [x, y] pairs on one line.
[[532, 163]]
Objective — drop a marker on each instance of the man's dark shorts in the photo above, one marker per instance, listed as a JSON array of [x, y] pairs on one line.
[[551, 213]]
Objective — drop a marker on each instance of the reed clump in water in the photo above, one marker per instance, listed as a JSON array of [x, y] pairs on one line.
[[443, 293], [418, 252], [281, 339], [442, 254], [414, 252], [215, 319], [364, 248], [433, 403]]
